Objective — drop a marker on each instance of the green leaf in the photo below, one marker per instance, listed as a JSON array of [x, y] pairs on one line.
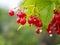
[[44, 8], [46, 15]]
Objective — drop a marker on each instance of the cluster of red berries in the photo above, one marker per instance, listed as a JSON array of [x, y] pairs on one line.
[[32, 20], [35, 21], [21, 17], [54, 24]]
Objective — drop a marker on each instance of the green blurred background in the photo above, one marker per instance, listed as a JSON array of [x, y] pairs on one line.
[[25, 36], [9, 34]]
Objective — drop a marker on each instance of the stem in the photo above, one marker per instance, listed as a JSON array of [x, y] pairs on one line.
[[35, 8]]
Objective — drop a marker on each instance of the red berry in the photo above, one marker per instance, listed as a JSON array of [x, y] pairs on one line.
[[57, 17], [18, 20], [55, 28], [11, 13], [30, 20], [40, 24], [21, 14], [37, 31], [23, 21], [49, 30], [35, 21], [58, 22], [58, 32]]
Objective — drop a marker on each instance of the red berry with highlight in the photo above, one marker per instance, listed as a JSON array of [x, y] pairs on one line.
[[18, 20], [30, 20], [23, 21], [49, 30], [58, 32], [58, 22], [57, 17], [21, 14], [11, 13], [37, 31], [35, 21], [40, 24]]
